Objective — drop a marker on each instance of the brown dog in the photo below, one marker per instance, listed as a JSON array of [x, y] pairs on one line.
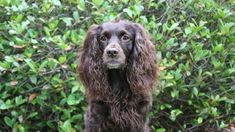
[[118, 68]]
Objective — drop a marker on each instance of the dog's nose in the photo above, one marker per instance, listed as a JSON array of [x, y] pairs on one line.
[[112, 52]]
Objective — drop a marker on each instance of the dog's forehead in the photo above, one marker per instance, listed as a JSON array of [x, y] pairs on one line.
[[115, 26]]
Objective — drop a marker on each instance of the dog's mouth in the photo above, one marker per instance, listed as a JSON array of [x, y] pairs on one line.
[[113, 64]]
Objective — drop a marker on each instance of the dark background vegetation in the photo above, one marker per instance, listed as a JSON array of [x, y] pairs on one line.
[[39, 41]]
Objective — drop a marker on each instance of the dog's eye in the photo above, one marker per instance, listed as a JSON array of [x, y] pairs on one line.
[[103, 38], [125, 37]]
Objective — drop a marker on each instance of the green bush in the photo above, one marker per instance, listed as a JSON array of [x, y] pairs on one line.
[[39, 42]]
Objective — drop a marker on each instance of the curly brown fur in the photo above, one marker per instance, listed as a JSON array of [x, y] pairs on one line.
[[118, 69]]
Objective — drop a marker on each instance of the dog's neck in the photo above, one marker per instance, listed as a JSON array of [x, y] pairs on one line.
[[118, 80]]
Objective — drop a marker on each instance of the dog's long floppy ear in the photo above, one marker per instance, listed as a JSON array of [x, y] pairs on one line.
[[90, 69], [90, 44], [142, 71]]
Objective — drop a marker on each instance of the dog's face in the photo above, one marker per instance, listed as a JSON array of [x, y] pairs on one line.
[[116, 39]]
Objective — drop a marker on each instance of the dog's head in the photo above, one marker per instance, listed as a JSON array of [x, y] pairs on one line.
[[117, 41], [118, 45]]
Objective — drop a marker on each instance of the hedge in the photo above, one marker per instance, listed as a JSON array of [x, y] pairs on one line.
[[39, 42]]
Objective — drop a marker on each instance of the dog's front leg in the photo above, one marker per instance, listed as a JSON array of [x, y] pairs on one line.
[[96, 118]]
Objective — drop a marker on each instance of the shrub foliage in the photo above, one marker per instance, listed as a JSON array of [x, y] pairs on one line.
[[39, 42]]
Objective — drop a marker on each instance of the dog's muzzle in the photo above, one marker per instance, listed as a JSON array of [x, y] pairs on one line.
[[114, 57]]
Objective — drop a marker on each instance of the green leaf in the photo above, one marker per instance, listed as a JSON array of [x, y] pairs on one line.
[[74, 36], [31, 115], [174, 93], [81, 5], [183, 45], [200, 54], [168, 76], [13, 32], [75, 86], [62, 59], [199, 120], [97, 2], [77, 117], [173, 26], [76, 16], [31, 64], [230, 101], [33, 34], [175, 113], [43, 64], [19, 100], [225, 29], [19, 18], [47, 31], [74, 99], [67, 127], [170, 42], [161, 130], [217, 64], [178, 74], [24, 25], [33, 79], [74, 89], [9, 59], [195, 91], [202, 23], [223, 125], [219, 48], [63, 46], [188, 30], [159, 36], [34, 41], [53, 24], [21, 128], [138, 9], [66, 35], [56, 2], [129, 12], [8, 121], [52, 63], [8, 104], [68, 21]]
